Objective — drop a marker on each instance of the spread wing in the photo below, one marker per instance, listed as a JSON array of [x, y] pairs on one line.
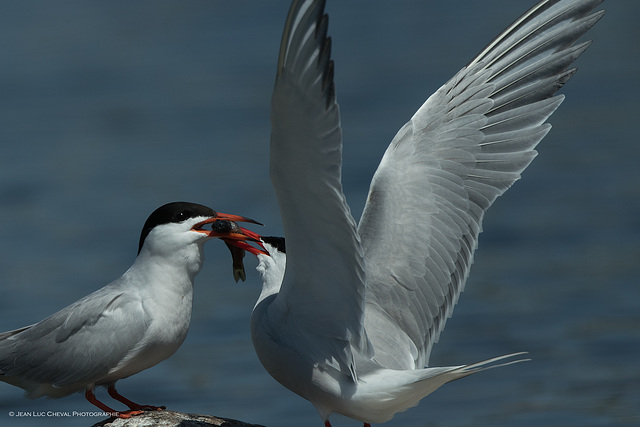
[[323, 287], [464, 147]]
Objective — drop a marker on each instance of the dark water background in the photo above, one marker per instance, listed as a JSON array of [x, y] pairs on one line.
[[109, 109]]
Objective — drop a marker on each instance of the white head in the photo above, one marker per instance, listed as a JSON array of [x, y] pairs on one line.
[[175, 233]]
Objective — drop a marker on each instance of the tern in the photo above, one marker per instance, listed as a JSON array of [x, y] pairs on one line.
[[132, 324], [348, 315]]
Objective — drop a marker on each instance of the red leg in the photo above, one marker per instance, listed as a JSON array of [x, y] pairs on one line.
[[132, 405], [327, 424], [367, 425], [92, 399]]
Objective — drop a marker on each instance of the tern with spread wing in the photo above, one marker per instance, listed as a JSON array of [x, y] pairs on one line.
[[133, 323], [348, 317]]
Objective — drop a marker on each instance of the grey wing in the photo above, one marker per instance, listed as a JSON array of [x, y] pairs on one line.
[[323, 287], [78, 344], [8, 334], [465, 146]]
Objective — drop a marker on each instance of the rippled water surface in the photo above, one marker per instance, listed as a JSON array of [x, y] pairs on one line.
[[110, 109]]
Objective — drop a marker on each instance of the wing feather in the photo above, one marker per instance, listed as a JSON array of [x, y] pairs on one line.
[[61, 350], [323, 249], [465, 146]]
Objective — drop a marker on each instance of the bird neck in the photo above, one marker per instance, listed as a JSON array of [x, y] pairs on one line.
[[271, 269], [178, 268]]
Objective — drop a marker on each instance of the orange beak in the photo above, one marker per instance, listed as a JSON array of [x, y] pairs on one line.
[[223, 226]]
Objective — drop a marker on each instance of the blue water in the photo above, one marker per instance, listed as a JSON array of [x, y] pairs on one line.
[[110, 109]]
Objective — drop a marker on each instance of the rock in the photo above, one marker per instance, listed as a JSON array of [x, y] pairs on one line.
[[171, 419]]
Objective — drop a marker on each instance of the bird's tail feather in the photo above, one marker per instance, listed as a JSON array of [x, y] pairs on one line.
[[466, 370], [390, 391]]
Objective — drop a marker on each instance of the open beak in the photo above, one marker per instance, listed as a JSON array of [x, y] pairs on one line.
[[223, 226], [222, 216]]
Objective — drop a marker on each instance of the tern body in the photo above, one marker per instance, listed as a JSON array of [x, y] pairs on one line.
[[349, 313], [131, 324]]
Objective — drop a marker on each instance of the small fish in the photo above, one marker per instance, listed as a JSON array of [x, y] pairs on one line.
[[237, 254]]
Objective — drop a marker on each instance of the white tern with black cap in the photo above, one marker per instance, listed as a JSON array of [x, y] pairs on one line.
[[133, 323]]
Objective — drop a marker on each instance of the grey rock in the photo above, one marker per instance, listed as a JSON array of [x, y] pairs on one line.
[[172, 419]]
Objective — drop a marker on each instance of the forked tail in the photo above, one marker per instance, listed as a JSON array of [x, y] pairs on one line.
[[383, 393]]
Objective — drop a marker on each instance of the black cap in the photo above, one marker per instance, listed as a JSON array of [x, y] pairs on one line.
[[173, 212]]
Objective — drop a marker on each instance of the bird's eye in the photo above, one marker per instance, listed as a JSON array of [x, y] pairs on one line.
[[182, 216]]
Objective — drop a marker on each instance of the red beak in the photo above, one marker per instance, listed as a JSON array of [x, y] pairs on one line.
[[223, 226]]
